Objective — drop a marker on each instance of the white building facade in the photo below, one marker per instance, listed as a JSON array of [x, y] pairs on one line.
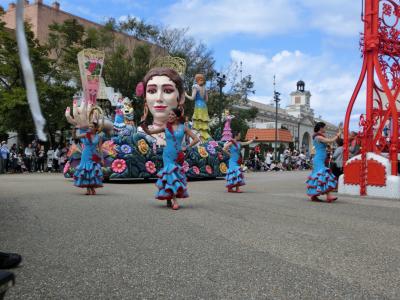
[[298, 118]]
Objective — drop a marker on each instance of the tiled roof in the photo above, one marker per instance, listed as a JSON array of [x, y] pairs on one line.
[[268, 135]]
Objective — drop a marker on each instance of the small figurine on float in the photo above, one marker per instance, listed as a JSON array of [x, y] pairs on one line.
[[227, 132], [234, 176], [164, 91], [200, 117], [124, 124], [129, 114]]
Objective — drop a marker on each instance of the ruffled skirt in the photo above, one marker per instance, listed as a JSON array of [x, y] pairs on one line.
[[88, 175], [234, 177], [171, 183], [201, 122], [321, 182]]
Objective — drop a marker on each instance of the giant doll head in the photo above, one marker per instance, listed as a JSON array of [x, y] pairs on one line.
[[163, 91]]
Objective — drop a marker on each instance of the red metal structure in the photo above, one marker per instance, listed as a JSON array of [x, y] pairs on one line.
[[380, 45]]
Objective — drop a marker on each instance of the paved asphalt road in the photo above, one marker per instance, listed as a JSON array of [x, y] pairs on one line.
[[268, 243]]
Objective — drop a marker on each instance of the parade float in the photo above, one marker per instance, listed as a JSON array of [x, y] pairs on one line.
[[128, 152], [375, 170]]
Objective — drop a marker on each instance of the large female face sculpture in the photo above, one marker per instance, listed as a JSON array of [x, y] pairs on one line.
[[161, 96], [163, 91]]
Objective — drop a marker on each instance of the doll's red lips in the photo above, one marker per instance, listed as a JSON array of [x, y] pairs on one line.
[[160, 107]]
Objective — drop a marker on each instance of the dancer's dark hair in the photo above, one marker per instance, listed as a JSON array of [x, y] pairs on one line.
[[235, 133], [318, 126], [179, 115]]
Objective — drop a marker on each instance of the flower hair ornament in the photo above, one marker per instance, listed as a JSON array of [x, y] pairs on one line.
[[140, 89]]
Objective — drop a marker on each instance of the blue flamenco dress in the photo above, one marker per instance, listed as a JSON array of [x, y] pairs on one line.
[[234, 176], [321, 179], [172, 179], [88, 173]]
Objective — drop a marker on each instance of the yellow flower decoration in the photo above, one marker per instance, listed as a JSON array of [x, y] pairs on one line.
[[202, 151], [142, 146], [223, 168]]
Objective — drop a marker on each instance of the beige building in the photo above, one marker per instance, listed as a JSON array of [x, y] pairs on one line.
[[41, 15]]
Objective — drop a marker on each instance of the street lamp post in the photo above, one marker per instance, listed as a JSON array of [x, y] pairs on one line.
[[221, 82], [276, 100]]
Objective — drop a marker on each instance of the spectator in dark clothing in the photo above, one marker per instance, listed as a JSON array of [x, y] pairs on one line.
[[337, 164]]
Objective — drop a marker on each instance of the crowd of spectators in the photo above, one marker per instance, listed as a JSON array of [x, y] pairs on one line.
[[289, 160], [34, 157], [286, 161]]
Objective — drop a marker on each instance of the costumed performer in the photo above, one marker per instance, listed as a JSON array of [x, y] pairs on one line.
[[88, 173], [321, 180], [200, 118], [171, 181], [234, 176], [164, 87]]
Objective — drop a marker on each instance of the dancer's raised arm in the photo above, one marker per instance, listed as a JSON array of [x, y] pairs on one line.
[[195, 139], [226, 148]]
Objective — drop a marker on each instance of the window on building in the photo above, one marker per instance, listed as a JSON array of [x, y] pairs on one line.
[[297, 100]]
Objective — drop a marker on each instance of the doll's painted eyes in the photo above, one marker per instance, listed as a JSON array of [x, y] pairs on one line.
[[168, 90]]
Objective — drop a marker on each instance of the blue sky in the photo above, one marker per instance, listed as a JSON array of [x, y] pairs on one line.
[[313, 40]]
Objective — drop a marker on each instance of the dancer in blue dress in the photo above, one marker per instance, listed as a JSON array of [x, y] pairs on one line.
[[88, 173], [234, 176], [171, 181], [321, 180]]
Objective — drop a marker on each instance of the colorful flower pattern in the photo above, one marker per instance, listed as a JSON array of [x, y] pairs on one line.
[[223, 168], [209, 170], [185, 166], [202, 151], [143, 146], [126, 149], [211, 149], [108, 148], [118, 166], [196, 170], [134, 156], [150, 167]]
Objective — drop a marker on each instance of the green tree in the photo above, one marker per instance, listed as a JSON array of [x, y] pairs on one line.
[[52, 90]]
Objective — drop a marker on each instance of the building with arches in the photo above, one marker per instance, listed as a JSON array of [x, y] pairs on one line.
[[298, 118]]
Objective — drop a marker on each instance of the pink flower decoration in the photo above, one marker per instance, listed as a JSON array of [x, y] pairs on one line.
[[209, 169], [213, 144], [108, 148], [139, 89], [185, 166], [92, 67], [66, 167], [118, 166], [196, 170], [150, 167]]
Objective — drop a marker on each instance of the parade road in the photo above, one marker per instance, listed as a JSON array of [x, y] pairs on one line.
[[267, 243]]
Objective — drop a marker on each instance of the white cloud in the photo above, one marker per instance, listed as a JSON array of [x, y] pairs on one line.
[[331, 86], [217, 17], [334, 17], [212, 18]]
